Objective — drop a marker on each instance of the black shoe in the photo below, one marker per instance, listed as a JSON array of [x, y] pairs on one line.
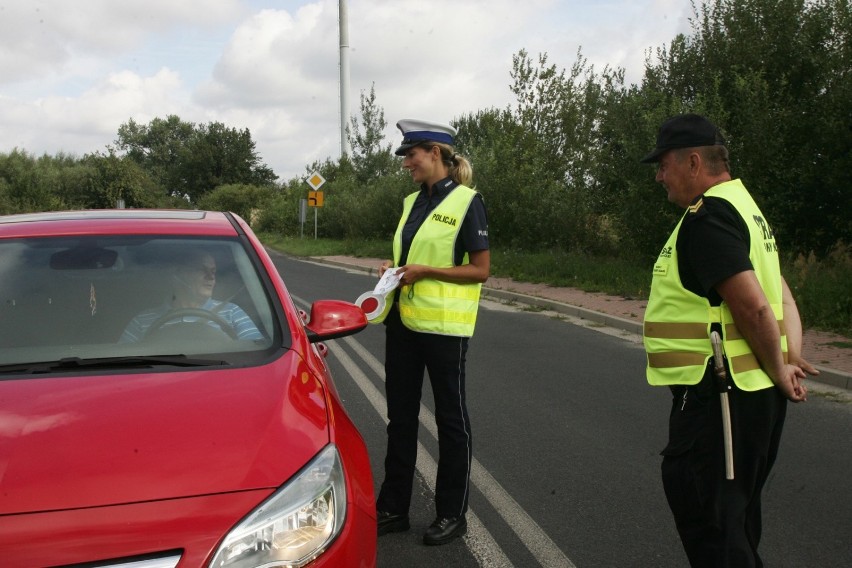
[[390, 522], [443, 530]]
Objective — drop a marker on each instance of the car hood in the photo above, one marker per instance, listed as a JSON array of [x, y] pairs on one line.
[[79, 442]]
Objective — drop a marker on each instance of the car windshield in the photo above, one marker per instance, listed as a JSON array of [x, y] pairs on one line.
[[132, 299]]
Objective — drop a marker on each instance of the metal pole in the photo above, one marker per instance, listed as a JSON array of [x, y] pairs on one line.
[[343, 23]]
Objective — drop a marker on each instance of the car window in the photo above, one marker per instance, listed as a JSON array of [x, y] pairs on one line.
[[122, 296]]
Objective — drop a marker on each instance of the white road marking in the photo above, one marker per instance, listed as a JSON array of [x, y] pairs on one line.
[[531, 534], [483, 546]]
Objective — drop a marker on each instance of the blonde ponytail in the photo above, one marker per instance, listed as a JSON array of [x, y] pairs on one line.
[[459, 167]]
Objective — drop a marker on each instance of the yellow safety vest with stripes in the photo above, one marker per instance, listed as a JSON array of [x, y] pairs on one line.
[[429, 305], [677, 321]]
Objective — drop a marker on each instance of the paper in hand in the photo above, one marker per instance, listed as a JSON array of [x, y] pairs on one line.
[[388, 282]]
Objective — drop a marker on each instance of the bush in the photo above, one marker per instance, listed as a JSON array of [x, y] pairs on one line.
[[355, 211], [247, 201], [621, 277], [280, 216], [822, 290]]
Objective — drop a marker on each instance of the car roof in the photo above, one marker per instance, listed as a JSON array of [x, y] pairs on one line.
[[118, 222]]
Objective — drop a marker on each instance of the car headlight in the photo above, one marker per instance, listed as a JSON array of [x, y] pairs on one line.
[[295, 525]]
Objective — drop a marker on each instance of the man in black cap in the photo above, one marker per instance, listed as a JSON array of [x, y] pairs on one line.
[[719, 271]]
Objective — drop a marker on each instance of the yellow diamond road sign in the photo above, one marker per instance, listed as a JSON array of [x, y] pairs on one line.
[[315, 180]]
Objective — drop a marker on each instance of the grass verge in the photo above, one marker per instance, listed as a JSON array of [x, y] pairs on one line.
[[326, 247], [610, 276], [821, 288]]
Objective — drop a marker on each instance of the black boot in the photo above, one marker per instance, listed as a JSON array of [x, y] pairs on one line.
[[444, 529], [390, 522]]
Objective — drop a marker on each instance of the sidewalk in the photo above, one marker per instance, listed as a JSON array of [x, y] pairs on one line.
[[822, 349]]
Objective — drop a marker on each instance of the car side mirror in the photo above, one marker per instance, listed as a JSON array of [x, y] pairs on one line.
[[331, 319]]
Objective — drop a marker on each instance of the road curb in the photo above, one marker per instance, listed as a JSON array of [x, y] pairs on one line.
[[566, 309], [827, 376]]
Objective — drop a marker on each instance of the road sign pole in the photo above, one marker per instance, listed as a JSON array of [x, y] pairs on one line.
[[303, 214]]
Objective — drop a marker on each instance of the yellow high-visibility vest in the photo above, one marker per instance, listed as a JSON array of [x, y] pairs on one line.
[[677, 321], [430, 305]]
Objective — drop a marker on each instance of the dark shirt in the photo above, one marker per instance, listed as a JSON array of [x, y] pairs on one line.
[[713, 244], [473, 235]]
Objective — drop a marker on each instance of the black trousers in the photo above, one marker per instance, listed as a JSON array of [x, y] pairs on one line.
[[719, 521], [407, 355]]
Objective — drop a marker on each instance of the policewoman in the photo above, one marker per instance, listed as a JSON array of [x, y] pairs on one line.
[[440, 250], [719, 271]]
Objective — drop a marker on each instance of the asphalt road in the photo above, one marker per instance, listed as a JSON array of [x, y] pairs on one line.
[[567, 435]]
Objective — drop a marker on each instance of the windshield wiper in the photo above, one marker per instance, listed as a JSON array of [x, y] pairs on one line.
[[141, 361]]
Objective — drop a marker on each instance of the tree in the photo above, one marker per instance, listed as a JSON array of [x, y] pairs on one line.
[[536, 162], [28, 184], [158, 148], [110, 178], [504, 170], [370, 159], [190, 160], [247, 201], [776, 76], [216, 155]]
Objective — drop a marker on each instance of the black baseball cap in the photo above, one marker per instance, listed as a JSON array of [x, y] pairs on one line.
[[684, 131]]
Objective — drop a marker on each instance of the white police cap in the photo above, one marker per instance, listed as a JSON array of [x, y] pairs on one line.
[[416, 132]]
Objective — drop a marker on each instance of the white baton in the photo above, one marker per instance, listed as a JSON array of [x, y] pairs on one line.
[[722, 383]]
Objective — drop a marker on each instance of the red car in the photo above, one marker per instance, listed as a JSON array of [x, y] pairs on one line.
[[164, 403]]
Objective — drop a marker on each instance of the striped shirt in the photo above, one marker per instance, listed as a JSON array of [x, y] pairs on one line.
[[236, 317]]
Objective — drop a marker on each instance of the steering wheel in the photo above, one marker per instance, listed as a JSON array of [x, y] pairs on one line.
[[192, 312]]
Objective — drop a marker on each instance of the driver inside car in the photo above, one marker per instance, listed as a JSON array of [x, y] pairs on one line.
[[192, 302]]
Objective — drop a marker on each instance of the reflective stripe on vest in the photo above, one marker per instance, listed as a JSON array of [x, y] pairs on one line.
[[429, 305], [677, 322]]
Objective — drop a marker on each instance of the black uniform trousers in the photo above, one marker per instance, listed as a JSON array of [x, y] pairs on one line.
[[719, 520], [407, 355]]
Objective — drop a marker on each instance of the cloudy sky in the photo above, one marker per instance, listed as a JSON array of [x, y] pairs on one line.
[[73, 71]]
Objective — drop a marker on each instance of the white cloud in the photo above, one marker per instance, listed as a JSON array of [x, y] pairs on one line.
[[73, 72], [89, 122], [274, 60], [46, 35]]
